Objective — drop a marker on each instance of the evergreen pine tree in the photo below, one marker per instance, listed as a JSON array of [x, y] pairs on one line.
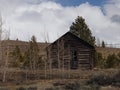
[[103, 44], [80, 28], [17, 56]]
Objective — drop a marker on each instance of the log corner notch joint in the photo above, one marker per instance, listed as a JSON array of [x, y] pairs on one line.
[[70, 52]]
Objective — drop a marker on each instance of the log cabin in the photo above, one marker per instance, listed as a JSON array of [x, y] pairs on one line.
[[70, 52]]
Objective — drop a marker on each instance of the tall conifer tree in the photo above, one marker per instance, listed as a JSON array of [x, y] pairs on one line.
[[80, 29]]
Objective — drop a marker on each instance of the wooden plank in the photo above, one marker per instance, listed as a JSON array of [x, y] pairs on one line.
[[84, 62]]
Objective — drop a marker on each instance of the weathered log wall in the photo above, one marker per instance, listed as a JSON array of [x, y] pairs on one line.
[[60, 53]]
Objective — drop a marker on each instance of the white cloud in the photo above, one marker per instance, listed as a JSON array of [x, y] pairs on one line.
[[112, 8], [28, 18]]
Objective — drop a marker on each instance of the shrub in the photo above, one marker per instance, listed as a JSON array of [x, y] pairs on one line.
[[21, 88], [99, 60], [91, 87], [32, 88], [116, 79], [111, 61], [72, 86], [102, 80], [49, 89], [52, 88], [4, 89]]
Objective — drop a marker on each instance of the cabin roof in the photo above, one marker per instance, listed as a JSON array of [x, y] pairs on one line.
[[78, 38]]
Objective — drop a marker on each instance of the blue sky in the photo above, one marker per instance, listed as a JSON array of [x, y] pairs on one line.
[[78, 2]]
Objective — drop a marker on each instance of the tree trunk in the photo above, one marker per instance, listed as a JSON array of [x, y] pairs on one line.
[[6, 65]]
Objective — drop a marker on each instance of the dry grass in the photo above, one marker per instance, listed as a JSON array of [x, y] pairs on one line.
[[106, 51], [19, 79]]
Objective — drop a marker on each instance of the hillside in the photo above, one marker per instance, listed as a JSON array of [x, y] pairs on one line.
[[106, 51]]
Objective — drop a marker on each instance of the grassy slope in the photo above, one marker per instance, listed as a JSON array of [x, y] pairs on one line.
[[106, 51]]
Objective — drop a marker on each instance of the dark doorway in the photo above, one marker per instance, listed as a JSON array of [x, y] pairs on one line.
[[74, 60]]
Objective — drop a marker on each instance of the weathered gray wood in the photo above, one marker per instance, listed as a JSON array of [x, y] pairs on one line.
[[67, 44]]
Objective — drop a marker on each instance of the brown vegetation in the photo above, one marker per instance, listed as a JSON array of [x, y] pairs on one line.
[[107, 51]]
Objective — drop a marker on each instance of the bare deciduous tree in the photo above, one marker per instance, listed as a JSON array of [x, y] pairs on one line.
[[7, 34], [1, 25], [6, 64], [46, 40]]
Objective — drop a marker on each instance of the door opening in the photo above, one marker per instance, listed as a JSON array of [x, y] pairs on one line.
[[74, 60]]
